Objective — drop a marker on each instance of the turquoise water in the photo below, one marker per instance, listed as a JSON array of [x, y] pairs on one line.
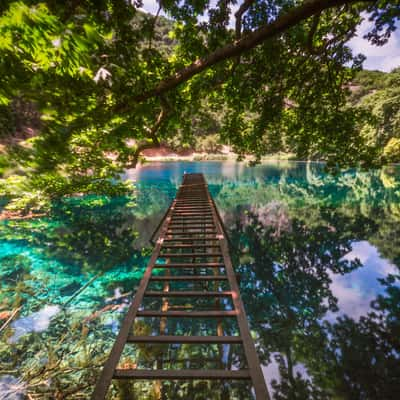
[[318, 256]]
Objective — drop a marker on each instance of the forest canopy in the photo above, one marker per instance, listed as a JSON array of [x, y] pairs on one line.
[[86, 86]]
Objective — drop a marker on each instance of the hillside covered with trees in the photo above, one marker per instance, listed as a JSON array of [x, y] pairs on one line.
[[378, 94]]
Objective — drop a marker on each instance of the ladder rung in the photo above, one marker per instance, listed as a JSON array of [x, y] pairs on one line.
[[206, 221], [188, 293], [181, 374], [185, 226], [190, 278], [198, 222], [205, 218], [192, 202], [190, 239], [190, 225], [190, 228], [187, 200], [211, 235], [190, 211], [187, 314], [185, 339], [189, 231], [180, 208], [194, 222], [208, 216], [190, 246], [189, 265], [190, 214], [193, 207], [188, 255], [192, 193]]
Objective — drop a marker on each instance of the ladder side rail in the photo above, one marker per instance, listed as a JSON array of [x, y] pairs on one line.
[[106, 376], [253, 361]]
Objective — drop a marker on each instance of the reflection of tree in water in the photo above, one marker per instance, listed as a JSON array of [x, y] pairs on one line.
[[387, 237], [85, 238], [89, 233], [99, 234], [361, 359], [183, 390], [289, 245], [285, 282], [185, 356]]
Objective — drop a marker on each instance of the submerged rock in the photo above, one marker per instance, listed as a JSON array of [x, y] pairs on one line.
[[38, 321]]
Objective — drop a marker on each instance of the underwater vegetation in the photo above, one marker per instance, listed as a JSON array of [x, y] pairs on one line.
[[318, 257]]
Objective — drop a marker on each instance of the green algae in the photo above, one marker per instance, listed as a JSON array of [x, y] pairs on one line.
[[43, 263]]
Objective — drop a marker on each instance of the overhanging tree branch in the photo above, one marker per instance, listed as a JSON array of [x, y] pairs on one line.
[[312, 32], [153, 141], [239, 15], [247, 42], [154, 23]]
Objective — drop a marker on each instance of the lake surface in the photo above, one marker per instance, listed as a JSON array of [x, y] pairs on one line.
[[318, 257]]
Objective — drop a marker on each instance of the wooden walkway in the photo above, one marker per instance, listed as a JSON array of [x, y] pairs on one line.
[[191, 237]]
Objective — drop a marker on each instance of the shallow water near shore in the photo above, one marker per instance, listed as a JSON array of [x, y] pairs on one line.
[[318, 256]]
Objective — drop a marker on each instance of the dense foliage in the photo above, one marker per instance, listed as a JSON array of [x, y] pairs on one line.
[[108, 81], [379, 94]]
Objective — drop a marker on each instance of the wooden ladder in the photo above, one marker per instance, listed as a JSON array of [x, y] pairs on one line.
[[192, 223]]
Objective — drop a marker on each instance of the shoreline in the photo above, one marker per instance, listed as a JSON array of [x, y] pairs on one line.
[[217, 157], [8, 215], [17, 215]]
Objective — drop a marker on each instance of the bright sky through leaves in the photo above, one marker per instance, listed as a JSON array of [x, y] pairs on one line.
[[384, 58]]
